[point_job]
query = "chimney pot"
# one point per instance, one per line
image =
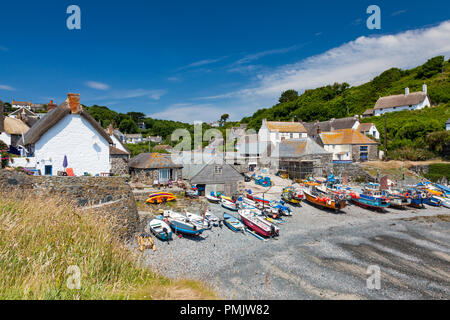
(74, 103)
(406, 91)
(424, 88)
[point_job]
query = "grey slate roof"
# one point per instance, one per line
(296, 148)
(330, 125)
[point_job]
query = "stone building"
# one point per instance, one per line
(301, 158)
(119, 161)
(154, 168)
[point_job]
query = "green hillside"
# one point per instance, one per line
(341, 100)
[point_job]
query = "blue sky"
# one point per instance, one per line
(195, 60)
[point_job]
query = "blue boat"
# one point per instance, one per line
(182, 224)
(416, 197)
(432, 202)
(232, 223)
(371, 202)
(160, 229)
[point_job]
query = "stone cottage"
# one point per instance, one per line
(154, 168)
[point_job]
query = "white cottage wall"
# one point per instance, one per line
(73, 136)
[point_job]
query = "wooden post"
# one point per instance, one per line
(385, 138)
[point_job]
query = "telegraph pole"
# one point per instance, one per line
(385, 138)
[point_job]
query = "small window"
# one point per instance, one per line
(363, 148)
(217, 169)
(292, 135)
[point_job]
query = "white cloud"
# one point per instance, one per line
(354, 62)
(97, 85)
(7, 88)
(186, 112)
(396, 13)
(259, 55)
(153, 94)
(201, 63)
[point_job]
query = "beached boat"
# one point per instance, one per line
(370, 202)
(445, 202)
(323, 200)
(160, 197)
(250, 196)
(279, 205)
(160, 229)
(212, 198)
(292, 196)
(258, 224)
(181, 223)
(198, 220)
(210, 217)
(232, 223)
(229, 205)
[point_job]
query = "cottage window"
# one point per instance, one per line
(217, 169)
(363, 148)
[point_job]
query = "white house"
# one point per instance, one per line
(134, 138)
(369, 129)
(69, 131)
(21, 104)
(275, 131)
(447, 124)
(400, 102)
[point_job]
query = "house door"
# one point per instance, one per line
(48, 170)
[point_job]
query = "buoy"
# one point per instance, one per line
(407, 195)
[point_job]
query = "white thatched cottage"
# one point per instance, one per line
(69, 131)
(400, 102)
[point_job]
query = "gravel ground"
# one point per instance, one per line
(320, 255)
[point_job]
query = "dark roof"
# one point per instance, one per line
(448, 121)
(368, 112)
(23, 110)
(53, 117)
(400, 100)
(117, 151)
(152, 161)
(330, 125)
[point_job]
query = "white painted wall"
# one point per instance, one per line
(118, 144)
(5, 137)
(73, 136)
(264, 134)
(337, 149)
(425, 103)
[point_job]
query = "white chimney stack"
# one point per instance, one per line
(424, 88)
(406, 91)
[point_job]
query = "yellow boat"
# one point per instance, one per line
(160, 197)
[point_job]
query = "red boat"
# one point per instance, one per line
(256, 199)
(259, 225)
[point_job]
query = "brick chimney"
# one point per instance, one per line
(318, 130)
(51, 105)
(110, 130)
(74, 103)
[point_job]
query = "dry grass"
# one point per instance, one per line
(395, 164)
(41, 238)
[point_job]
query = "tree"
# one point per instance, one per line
(431, 67)
(288, 95)
(128, 126)
(224, 119)
(136, 116)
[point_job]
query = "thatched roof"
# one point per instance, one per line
(368, 112)
(56, 115)
(15, 126)
(152, 161)
(400, 100)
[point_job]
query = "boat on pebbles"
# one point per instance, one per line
(182, 224)
(258, 224)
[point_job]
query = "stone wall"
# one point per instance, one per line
(104, 194)
(119, 164)
(148, 176)
(353, 170)
(372, 151)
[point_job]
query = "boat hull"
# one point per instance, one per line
(259, 230)
(233, 223)
(331, 204)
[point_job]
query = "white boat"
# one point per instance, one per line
(198, 220)
(160, 229)
(229, 205)
(445, 202)
(211, 218)
(181, 223)
(212, 198)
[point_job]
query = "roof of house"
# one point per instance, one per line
(294, 148)
(117, 151)
(345, 136)
(56, 115)
(162, 147)
(152, 161)
(368, 112)
(133, 135)
(364, 127)
(285, 126)
(330, 125)
(15, 126)
(23, 110)
(400, 100)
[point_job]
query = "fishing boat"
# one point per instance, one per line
(212, 198)
(417, 201)
(160, 197)
(445, 202)
(232, 223)
(370, 202)
(432, 201)
(284, 210)
(397, 199)
(250, 196)
(323, 200)
(198, 220)
(292, 196)
(229, 205)
(210, 217)
(160, 229)
(258, 224)
(181, 223)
